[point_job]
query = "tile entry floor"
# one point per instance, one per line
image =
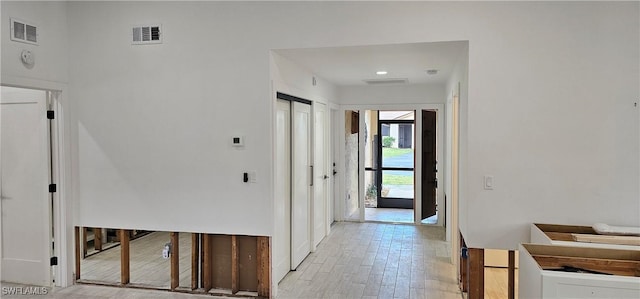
(388, 215)
(376, 260)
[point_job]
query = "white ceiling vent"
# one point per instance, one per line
(24, 32)
(146, 34)
(386, 81)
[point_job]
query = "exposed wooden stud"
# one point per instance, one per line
(201, 238)
(77, 251)
(195, 258)
(124, 257)
(175, 260)
(97, 238)
(206, 269)
(476, 273)
(264, 267)
(84, 242)
(234, 264)
(512, 275)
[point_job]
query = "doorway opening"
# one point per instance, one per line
(389, 166)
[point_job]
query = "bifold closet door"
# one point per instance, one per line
(282, 238)
(301, 174)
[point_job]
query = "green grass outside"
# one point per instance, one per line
(388, 152)
(390, 179)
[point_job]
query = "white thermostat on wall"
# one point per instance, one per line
(237, 141)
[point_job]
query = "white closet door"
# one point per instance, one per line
(301, 180)
(320, 173)
(282, 239)
(24, 180)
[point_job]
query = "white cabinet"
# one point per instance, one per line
(537, 279)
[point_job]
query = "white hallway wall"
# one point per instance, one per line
(458, 84)
(550, 111)
(392, 94)
(51, 52)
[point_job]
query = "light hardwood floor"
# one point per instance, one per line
(376, 260)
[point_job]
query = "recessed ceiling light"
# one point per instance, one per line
(381, 72)
(432, 72)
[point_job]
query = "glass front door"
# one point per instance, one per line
(396, 156)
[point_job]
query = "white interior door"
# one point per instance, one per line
(282, 238)
(24, 179)
(320, 173)
(301, 180)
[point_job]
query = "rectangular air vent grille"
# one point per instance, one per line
(386, 81)
(24, 32)
(147, 34)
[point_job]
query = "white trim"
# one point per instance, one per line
(361, 153)
(340, 165)
(61, 235)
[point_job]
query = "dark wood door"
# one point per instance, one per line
(429, 164)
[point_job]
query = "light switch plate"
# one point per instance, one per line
(488, 182)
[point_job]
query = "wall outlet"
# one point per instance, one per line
(166, 251)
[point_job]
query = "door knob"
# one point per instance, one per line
(325, 177)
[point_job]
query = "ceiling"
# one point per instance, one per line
(347, 66)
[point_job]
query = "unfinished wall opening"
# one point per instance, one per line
(100, 254)
(185, 262)
(149, 257)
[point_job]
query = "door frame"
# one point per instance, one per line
(441, 175)
(338, 152)
(62, 209)
(379, 170)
